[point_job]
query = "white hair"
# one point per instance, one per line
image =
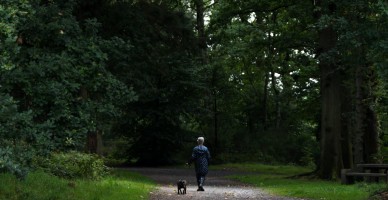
(200, 140)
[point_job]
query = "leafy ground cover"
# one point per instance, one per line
(275, 179)
(121, 184)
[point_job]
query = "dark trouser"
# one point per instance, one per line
(200, 179)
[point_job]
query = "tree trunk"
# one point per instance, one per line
(200, 10)
(359, 117)
(277, 99)
(331, 150)
(371, 127)
(92, 142)
(265, 100)
(371, 139)
(271, 57)
(346, 126)
(215, 111)
(368, 121)
(202, 37)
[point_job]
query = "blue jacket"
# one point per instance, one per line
(200, 157)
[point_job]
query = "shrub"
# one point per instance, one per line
(71, 165)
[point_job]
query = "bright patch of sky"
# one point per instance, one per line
(303, 52)
(252, 17)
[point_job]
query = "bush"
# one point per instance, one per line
(71, 165)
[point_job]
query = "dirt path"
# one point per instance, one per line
(217, 186)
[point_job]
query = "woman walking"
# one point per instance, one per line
(200, 157)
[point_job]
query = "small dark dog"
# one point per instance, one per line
(181, 186)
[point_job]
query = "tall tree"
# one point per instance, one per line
(331, 154)
(360, 30)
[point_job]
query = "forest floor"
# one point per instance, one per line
(217, 185)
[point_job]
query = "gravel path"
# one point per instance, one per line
(217, 186)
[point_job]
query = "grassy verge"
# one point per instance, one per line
(121, 184)
(273, 179)
(288, 170)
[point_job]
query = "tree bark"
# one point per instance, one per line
(331, 151)
(200, 10)
(215, 124)
(359, 117)
(277, 99)
(271, 57)
(367, 123)
(202, 44)
(265, 100)
(346, 125)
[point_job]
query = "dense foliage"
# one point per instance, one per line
(55, 70)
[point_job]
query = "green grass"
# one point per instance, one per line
(262, 168)
(273, 179)
(312, 189)
(121, 184)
